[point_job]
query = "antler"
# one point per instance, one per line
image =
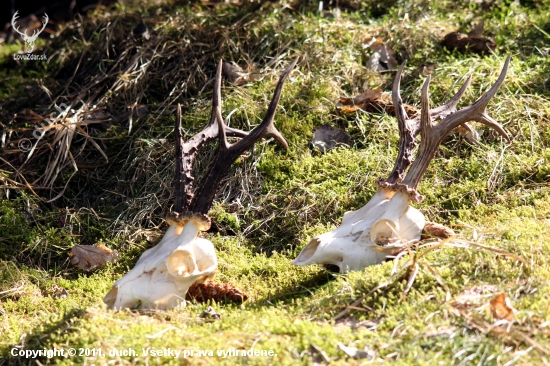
(186, 152)
(17, 28)
(35, 33)
(409, 128)
(185, 201)
(433, 134)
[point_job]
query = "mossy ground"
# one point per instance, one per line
(494, 194)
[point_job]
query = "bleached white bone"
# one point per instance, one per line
(163, 274)
(366, 236)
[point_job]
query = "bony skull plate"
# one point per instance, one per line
(163, 274)
(366, 236)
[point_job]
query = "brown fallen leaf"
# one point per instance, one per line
(432, 229)
(472, 298)
(424, 70)
(501, 307)
(471, 42)
(383, 58)
(372, 101)
(326, 138)
(236, 75)
(88, 257)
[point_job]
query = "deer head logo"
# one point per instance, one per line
(29, 40)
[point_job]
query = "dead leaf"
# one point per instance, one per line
(210, 313)
(424, 70)
(432, 229)
(501, 307)
(471, 42)
(236, 75)
(88, 257)
(326, 138)
(383, 58)
(473, 295)
(373, 101)
(356, 353)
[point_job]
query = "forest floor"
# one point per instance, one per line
(102, 174)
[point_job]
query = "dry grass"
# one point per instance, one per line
(123, 92)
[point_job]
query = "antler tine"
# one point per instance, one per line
(396, 97)
(36, 32)
(477, 111)
(183, 180)
(43, 24)
(408, 129)
(432, 135)
(267, 123)
(448, 108)
(217, 103)
(13, 24)
(425, 115)
(222, 137)
(228, 153)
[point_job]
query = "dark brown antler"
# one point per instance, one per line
(433, 134)
(409, 128)
(200, 203)
(186, 152)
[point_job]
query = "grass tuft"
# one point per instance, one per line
(112, 183)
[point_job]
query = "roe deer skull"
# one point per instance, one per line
(162, 276)
(387, 222)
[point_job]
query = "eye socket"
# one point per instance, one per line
(384, 232)
(181, 263)
(308, 250)
(331, 268)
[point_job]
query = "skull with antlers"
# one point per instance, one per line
(29, 40)
(387, 222)
(163, 274)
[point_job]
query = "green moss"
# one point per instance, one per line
(494, 194)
